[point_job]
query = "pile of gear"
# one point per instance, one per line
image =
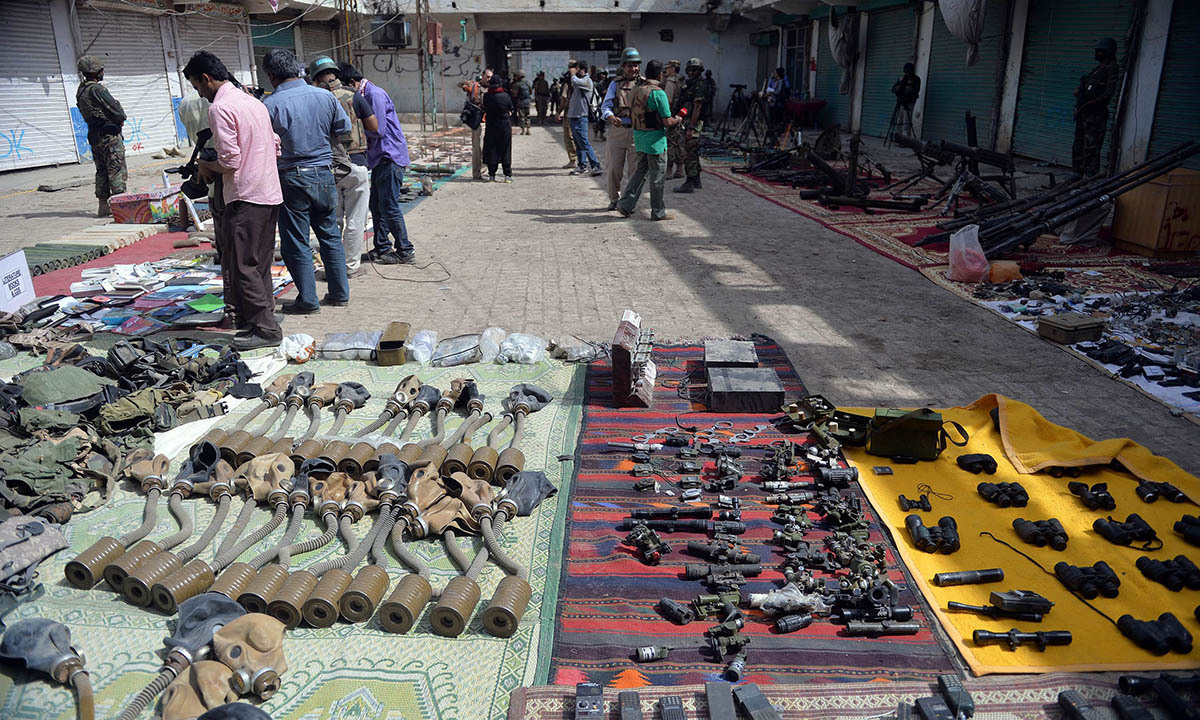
(441, 486)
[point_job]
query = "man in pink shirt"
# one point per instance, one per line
(246, 148)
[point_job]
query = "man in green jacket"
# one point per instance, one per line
(651, 117)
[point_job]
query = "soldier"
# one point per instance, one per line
(672, 85)
(521, 92)
(617, 112)
(541, 96)
(1092, 98)
(692, 98)
(349, 163)
(104, 117)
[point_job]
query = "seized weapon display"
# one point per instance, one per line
(1015, 638)
(968, 577)
(649, 546)
(1002, 234)
(943, 538)
(966, 175)
(1023, 605)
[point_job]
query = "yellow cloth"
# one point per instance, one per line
(1035, 442)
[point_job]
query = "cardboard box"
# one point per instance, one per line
(1162, 217)
(150, 205)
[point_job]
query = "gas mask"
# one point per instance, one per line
(252, 646)
(199, 688)
(266, 474)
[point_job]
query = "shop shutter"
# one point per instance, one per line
(1177, 114)
(1060, 39)
(221, 37)
(35, 127)
(135, 73)
(952, 88)
(891, 42)
(317, 39)
(829, 78)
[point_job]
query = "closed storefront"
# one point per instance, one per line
(317, 39)
(952, 89)
(135, 73)
(891, 42)
(829, 78)
(222, 37)
(1177, 113)
(35, 127)
(1060, 40)
(266, 35)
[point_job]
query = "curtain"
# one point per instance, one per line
(964, 20)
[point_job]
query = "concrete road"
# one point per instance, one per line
(541, 255)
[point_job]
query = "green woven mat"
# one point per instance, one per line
(347, 671)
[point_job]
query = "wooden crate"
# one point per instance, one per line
(1162, 217)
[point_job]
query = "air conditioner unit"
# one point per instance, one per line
(391, 32)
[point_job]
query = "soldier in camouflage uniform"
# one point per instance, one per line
(1092, 99)
(104, 117)
(672, 85)
(693, 98)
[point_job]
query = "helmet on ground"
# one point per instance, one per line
(630, 55)
(320, 64)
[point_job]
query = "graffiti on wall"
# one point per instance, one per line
(12, 144)
(135, 136)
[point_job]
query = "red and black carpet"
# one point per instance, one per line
(607, 596)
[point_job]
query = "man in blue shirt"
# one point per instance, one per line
(387, 157)
(305, 118)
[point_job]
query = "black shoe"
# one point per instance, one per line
(383, 258)
(294, 308)
(696, 182)
(253, 341)
(407, 258)
(612, 206)
(686, 187)
(335, 303)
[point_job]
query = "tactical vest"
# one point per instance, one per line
(358, 137)
(623, 97)
(643, 117)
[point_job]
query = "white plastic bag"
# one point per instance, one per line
(521, 348)
(421, 348)
(297, 348)
(967, 261)
(349, 346)
(457, 351)
(489, 344)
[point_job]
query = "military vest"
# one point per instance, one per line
(623, 97)
(643, 117)
(358, 137)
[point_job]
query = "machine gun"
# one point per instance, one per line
(966, 159)
(193, 187)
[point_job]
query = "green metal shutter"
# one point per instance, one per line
(1177, 114)
(891, 42)
(952, 88)
(1060, 40)
(829, 79)
(273, 33)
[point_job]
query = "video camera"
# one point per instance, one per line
(735, 86)
(193, 186)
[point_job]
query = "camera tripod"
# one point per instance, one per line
(737, 107)
(757, 126)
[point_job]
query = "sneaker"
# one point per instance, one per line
(375, 256)
(389, 259)
(407, 258)
(668, 216)
(335, 303)
(597, 171)
(508, 179)
(294, 308)
(612, 206)
(360, 270)
(253, 341)
(491, 178)
(578, 171)
(624, 213)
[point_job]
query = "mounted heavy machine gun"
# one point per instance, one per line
(966, 159)
(1022, 222)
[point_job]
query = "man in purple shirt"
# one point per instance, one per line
(387, 157)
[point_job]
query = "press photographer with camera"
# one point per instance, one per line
(246, 147)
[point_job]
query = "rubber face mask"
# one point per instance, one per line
(236, 711)
(528, 395)
(200, 687)
(475, 494)
(265, 474)
(41, 644)
(428, 396)
(302, 384)
(143, 465)
(201, 461)
(392, 475)
(407, 390)
(353, 393)
(252, 646)
(527, 490)
(333, 489)
(199, 618)
(323, 394)
(469, 396)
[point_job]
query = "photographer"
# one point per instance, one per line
(578, 112)
(907, 89)
(246, 146)
(564, 98)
